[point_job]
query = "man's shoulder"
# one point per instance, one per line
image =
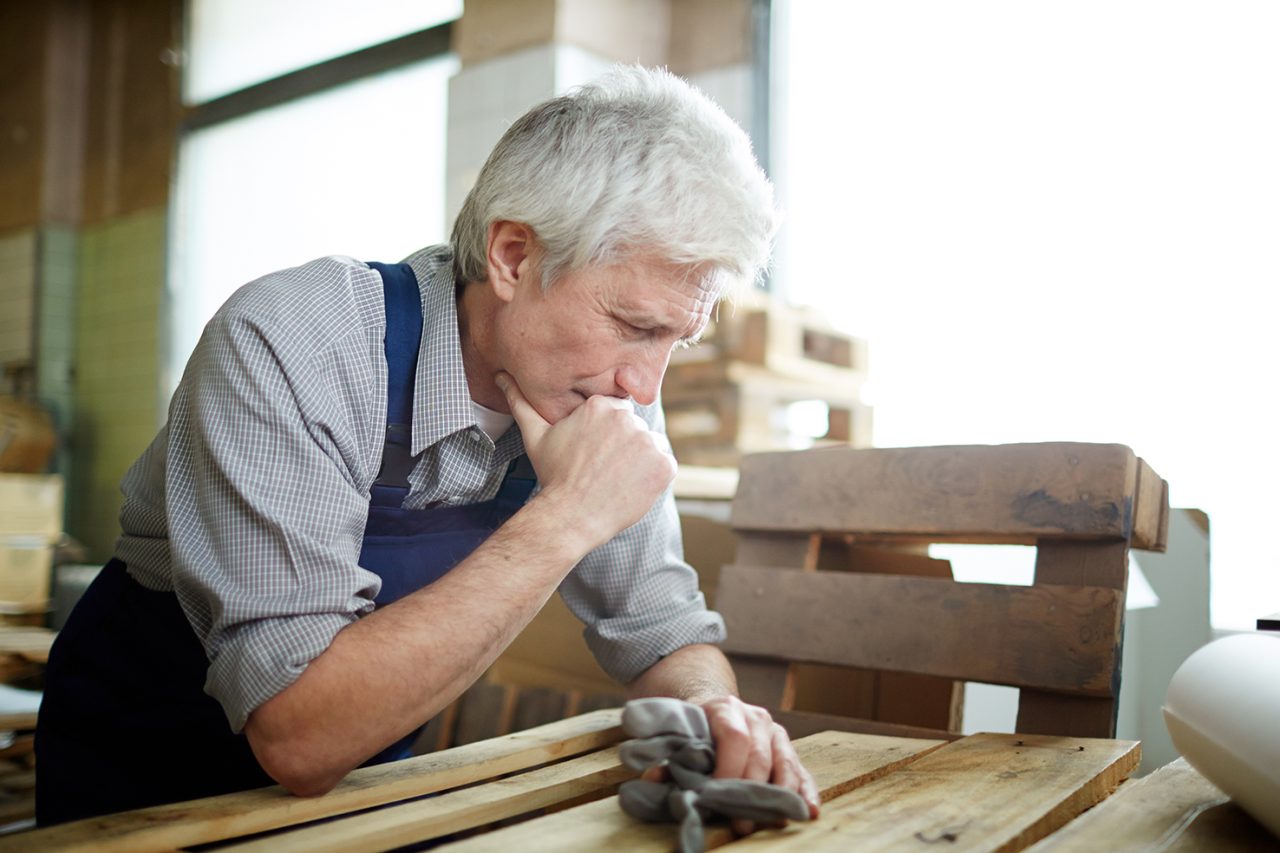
(299, 313)
(308, 292)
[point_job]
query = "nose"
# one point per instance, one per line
(641, 376)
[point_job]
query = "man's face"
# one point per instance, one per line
(605, 330)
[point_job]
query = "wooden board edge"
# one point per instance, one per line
(1083, 798)
(167, 827)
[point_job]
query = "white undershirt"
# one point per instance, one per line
(493, 423)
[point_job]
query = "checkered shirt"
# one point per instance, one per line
(251, 502)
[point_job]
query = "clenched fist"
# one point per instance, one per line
(601, 465)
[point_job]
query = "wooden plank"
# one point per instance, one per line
(1052, 638)
(1082, 564)
(1150, 510)
(422, 820)
(234, 815)
(771, 682)
(787, 550)
(1044, 713)
(804, 723)
(985, 792)
(1078, 564)
(838, 761)
(923, 701)
(1165, 810)
(1013, 492)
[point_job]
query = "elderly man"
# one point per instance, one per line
(338, 530)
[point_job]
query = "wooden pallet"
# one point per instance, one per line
(729, 394)
(800, 515)
(787, 340)
(717, 412)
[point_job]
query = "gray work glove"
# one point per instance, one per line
(675, 734)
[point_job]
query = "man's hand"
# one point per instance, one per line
(601, 461)
(750, 745)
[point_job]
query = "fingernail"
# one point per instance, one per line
(501, 381)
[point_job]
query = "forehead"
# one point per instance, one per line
(655, 285)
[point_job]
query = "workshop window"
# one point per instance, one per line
(317, 160)
(1052, 221)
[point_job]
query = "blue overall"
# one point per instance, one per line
(125, 721)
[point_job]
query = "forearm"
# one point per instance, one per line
(695, 673)
(391, 671)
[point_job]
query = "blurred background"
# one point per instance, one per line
(1009, 221)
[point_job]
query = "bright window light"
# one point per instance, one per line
(233, 44)
(1055, 222)
(357, 170)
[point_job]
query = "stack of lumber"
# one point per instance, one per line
(553, 789)
(730, 394)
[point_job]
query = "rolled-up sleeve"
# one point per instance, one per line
(636, 595)
(264, 502)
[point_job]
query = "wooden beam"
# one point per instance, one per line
(1071, 565)
(234, 815)
(422, 820)
(1150, 510)
(1014, 493)
(804, 723)
(1174, 808)
(357, 65)
(1051, 638)
(838, 761)
(1003, 792)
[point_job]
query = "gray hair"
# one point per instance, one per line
(637, 162)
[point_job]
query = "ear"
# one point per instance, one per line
(511, 254)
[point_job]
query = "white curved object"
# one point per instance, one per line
(1223, 713)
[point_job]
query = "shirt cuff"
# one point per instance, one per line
(627, 646)
(259, 659)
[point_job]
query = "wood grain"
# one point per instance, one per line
(1150, 510)
(986, 792)
(234, 815)
(1052, 638)
(1074, 564)
(1014, 492)
(838, 761)
(422, 820)
(1165, 810)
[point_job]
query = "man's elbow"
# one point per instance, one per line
(289, 760)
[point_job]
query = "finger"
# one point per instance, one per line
(732, 735)
(621, 403)
(790, 772)
(532, 425)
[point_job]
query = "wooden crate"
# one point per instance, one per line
(730, 394)
(715, 416)
(786, 340)
(1083, 505)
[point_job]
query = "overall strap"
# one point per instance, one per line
(403, 305)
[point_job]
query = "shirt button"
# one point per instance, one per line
(475, 435)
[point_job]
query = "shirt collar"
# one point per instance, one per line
(441, 397)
